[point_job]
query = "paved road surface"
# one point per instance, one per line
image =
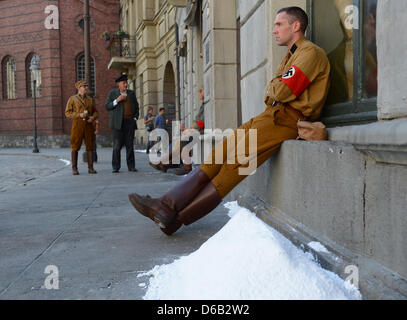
(85, 226)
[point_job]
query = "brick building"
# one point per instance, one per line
(50, 33)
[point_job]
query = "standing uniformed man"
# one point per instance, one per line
(81, 109)
(298, 92)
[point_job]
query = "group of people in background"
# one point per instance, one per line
(123, 109)
(167, 161)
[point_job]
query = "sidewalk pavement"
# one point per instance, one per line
(84, 226)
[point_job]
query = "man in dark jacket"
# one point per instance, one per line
(123, 112)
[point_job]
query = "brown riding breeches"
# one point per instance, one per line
(82, 130)
(274, 126)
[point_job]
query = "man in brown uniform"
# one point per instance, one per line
(81, 109)
(298, 92)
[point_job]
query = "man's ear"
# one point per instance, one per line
(297, 26)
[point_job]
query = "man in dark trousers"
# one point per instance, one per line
(297, 92)
(123, 112)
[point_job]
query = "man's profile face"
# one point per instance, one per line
(122, 85)
(283, 30)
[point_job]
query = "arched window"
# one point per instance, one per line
(33, 72)
(80, 71)
(9, 78)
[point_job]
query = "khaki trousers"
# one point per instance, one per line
(274, 126)
(82, 130)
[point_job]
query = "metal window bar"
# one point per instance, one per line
(81, 72)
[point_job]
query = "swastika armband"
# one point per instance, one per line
(296, 80)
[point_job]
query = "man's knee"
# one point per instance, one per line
(76, 144)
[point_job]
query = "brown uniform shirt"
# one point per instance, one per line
(76, 105)
(302, 80)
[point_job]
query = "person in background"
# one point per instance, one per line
(160, 121)
(198, 124)
(149, 126)
(123, 114)
(81, 109)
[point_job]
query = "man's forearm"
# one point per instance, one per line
(109, 105)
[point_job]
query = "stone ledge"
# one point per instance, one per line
(379, 133)
(51, 141)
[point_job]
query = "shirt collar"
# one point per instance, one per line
(297, 44)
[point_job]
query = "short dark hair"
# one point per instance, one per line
(161, 109)
(296, 14)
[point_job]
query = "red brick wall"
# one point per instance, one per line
(104, 17)
(22, 32)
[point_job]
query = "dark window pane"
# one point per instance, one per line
(334, 21)
(370, 49)
(82, 24)
(34, 73)
(9, 78)
(81, 72)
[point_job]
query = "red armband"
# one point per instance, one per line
(201, 124)
(296, 80)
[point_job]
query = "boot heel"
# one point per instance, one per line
(159, 223)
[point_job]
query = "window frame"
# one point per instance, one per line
(5, 80)
(29, 79)
(92, 88)
(359, 110)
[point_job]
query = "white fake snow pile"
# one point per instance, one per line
(246, 260)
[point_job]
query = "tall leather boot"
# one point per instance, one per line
(183, 170)
(164, 210)
(160, 166)
(90, 163)
(74, 158)
(164, 167)
(172, 228)
(207, 200)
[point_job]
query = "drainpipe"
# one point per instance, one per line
(177, 67)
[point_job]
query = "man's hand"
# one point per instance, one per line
(91, 119)
(122, 97)
(82, 115)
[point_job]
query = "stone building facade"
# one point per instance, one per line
(52, 31)
(151, 62)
